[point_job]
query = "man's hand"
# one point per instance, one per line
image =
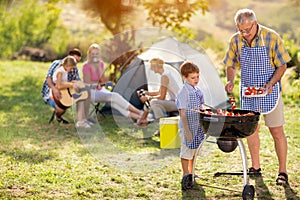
(230, 74)
(229, 87)
(269, 88)
(56, 93)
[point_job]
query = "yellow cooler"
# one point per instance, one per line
(169, 133)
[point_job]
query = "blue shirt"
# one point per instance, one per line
(73, 75)
(191, 98)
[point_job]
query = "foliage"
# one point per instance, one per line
(210, 42)
(115, 15)
(172, 14)
(294, 50)
(28, 23)
(292, 93)
(118, 53)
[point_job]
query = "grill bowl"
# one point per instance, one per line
(229, 126)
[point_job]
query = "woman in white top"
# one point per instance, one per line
(163, 100)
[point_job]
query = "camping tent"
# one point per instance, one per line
(174, 53)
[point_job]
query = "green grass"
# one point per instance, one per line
(113, 161)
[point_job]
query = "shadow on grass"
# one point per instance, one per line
(27, 90)
(261, 190)
(29, 156)
(24, 98)
(197, 192)
(263, 193)
(290, 193)
(130, 134)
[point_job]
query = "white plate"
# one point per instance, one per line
(254, 95)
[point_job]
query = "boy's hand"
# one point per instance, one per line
(188, 136)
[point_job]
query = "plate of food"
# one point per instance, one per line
(254, 91)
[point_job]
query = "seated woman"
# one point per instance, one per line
(93, 73)
(163, 100)
(60, 79)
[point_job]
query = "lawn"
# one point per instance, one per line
(114, 159)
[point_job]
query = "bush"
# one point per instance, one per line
(29, 23)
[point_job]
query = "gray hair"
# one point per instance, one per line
(244, 14)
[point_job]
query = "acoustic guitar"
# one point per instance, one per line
(69, 96)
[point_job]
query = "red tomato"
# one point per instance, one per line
(247, 92)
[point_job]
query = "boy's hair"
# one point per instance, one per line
(187, 68)
(157, 61)
(75, 51)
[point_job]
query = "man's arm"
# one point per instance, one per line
(276, 77)
(56, 92)
(230, 73)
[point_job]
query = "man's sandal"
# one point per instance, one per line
(282, 179)
(254, 172)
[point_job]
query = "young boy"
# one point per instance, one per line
(189, 98)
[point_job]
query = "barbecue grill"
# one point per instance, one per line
(229, 131)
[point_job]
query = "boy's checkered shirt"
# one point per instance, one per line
(191, 98)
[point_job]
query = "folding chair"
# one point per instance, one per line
(97, 109)
(97, 106)
(173, 113)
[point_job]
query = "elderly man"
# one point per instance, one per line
(261, 56)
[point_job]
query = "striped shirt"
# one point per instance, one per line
(265, 37)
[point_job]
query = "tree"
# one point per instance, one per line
(116, 15)
(171, 14)
(112, 13)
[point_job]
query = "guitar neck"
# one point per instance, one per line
(92, 86)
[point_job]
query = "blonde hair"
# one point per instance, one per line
(92, 47)
(157, 61)
(69, 61)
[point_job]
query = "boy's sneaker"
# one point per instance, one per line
(83, 124)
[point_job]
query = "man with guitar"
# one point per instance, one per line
(48, 84)
(60, 79)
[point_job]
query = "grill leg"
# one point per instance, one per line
(244, 160)
(196, 154)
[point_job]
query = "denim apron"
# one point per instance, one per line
(256, 70)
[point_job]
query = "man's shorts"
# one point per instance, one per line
(51, 102)
(276, 117)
